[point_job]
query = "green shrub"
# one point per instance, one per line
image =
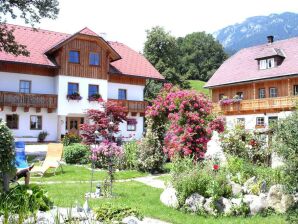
(129, 159)
(76, 154)
(109, 213)
(71, 138)
(150, 154)
(7, 154)
(24, 201)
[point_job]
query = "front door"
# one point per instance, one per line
(73, 124)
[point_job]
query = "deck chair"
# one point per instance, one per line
(52, 160)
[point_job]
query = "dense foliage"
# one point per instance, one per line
(184, 120)
(129, 158)
(286, 144)
(7, 154)
(247, 145)
(149, 155)
(108, 213)
(31, 11)
(24, 201)
(71, 138)
(195, 56)
(76, 153)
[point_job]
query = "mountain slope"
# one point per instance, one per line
(253, 31)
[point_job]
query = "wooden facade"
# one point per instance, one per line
(251, 103)
(26, 100)
(27, 69)
(132, 106)
(115, 78)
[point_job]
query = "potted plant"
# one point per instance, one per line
(42, 136)
(74, 96)
(95, 97)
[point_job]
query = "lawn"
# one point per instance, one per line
(82, 173)
(146, 199)
(198, 85)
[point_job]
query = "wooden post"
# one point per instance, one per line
(289, 87)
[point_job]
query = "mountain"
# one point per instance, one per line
(254, 30)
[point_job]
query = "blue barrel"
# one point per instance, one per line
(21, 161)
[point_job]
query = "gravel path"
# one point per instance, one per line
(151, 181)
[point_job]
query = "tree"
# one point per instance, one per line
(200, 55)
(162, 51)
(31, 11)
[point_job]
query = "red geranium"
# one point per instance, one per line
(215, 167)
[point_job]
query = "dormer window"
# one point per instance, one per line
(266, 63)
(94, 59)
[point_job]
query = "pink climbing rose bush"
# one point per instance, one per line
(106, 149)
(188, 118)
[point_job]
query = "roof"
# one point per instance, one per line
(243, 67)
(40, 41)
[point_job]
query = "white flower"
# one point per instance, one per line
(30, 192)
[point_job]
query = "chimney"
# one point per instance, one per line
(270, 39)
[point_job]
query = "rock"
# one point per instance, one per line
(258, 204)
(249, 184)
(223, 205)
(208, 206)
(131, 220)
(295, 197)
(169, 197)
(249, 198)
(236, 189)
(263, 187)
(236, 201)
(278, 199)
(195, 202)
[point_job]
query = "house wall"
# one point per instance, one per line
(134, 134)
(134, 92)
(49, 122)
(39, 84)
(73, 107)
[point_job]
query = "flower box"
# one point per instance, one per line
(226, 101)
(95, 98)
(74, 96)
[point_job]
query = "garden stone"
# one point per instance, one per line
(295, 197)
(236, 201)
(258, 204)
(278, 199)
(131, 220)
(223, 205)
(236, 189)
(169, 197)
(249, 198)
(208, 206)
(248, 184)
(263, 187)
(195, 202)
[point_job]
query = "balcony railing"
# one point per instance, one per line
(132, 105)
(278, 103)
(28, 100)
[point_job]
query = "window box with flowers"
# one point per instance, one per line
(74, 96)
(95, 98)
(225, 101)
(131, 124)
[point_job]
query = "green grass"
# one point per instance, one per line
(198, 85)
(80, 173)
(146, 199)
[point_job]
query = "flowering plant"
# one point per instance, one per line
(189, 120)
(95, 97)
(74, 96)
(107, 149)
(226, 101)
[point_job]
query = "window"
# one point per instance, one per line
(266, 63)
(74, 57)
(272, 120)
(35, 122)
(122, 94)
(295, 90)
(240, 95)
(260, 121)
(273, 92)
(72, 88)
(221, 96)
(262, 93)
(131, 124)
(12, 121)
(25, 86)
(93, 89)
(241, 120)
(94, 58)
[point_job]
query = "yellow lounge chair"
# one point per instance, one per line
(52, 160)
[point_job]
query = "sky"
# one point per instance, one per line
(126, 21)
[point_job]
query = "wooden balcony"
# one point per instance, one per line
(133, 106)
(258, 105)
(26, 100)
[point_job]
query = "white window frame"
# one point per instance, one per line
(267, 63)
(295, 90)
(260, 121)
(262, 93)
(273, 94)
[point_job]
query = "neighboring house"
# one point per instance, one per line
(52, 88)
(257, 85)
